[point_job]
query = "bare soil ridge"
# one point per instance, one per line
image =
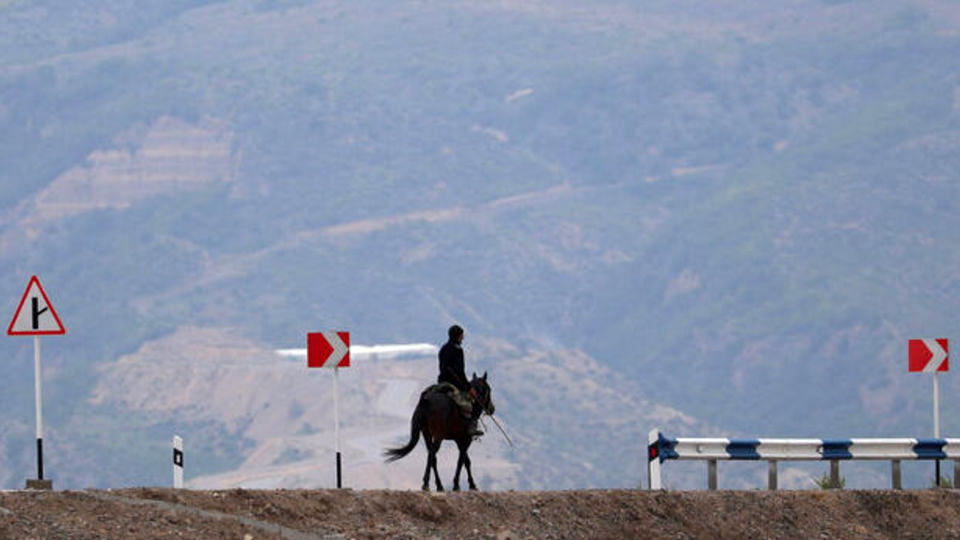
(163, 513)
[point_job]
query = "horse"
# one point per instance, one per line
(439, 419)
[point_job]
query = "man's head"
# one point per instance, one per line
(455, 333)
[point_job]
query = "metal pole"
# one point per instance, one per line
(38, 392)
(936, 405)
(936, 419)
(336, 420)
(895, 474)
(712, 474)
(772, 475)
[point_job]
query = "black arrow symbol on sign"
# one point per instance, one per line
(37, 312)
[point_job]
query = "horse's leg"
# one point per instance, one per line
(426, 472)
(464, 446)
(456, 477)
(433, 454)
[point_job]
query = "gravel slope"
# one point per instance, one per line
(162, 513)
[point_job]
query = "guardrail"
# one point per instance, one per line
(711, 450)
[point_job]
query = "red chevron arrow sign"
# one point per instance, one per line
(328, 349)
(928, 355)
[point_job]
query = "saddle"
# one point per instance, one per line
(461, 399)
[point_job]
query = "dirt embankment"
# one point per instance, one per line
(156, 513)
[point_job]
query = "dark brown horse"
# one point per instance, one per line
(439, 419)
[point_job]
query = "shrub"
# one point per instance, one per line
(825, 482)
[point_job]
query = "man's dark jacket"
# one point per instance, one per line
(451, 366)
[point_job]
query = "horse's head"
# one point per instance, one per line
(484, 397)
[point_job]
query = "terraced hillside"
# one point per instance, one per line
(711, 216)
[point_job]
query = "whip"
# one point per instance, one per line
(498, 427)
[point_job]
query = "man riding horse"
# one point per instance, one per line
(453, 378)
(448, 411)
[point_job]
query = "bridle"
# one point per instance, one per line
(483, 395)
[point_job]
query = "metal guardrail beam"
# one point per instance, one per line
(661, 449)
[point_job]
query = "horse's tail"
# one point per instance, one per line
(393, 454)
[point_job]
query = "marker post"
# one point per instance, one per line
(177, 462)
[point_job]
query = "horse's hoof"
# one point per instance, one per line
(456, 488)
(439, 489)
(473, 488)
(425, 488)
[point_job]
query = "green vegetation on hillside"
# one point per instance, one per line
(744, 209)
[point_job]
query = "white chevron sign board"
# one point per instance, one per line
(331, 349)
(36, 317)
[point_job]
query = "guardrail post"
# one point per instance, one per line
(895, 473)
(712, 474)
(653, 461)
(772, 475)
(834, 473)
(956, 474)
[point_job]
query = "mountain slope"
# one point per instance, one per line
(738, 210)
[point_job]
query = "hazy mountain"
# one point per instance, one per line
(739, 211)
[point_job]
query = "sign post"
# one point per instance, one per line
(930, 356)
(331, 350)
(39, 319)
(38, 397)
(336, 420)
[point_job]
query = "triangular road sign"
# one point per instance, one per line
(35, 315)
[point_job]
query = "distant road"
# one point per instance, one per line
(380, 351)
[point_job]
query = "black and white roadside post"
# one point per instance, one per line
(331, 350)
(177, 462)
(36, 317)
